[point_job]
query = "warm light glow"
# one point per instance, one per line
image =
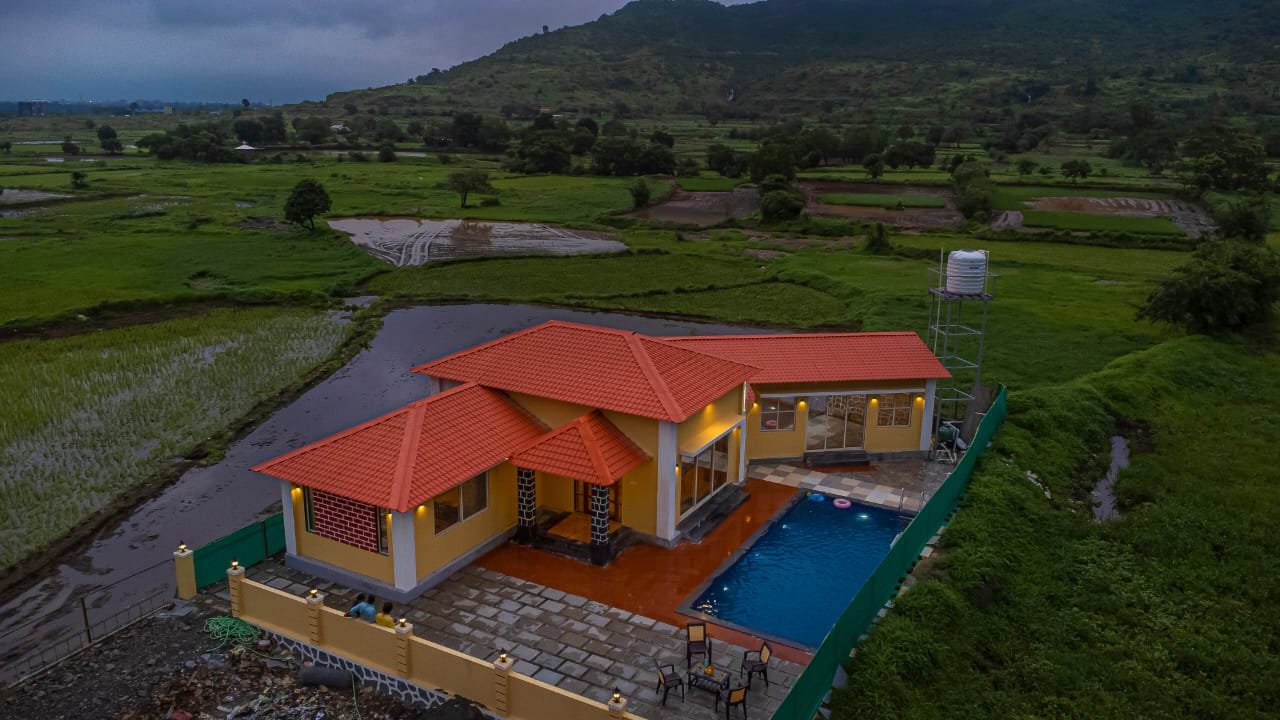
(296, 492)
(313, 593)
(875, 401)
(502, 656)
(235, 564)
(617, 696)
(755, 405)
(403, 622)
(182, 547)
(802, 402)
(919, 398)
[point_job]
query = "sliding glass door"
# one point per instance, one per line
(836, 422)
(703, 474)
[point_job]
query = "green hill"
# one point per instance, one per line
(922, 60)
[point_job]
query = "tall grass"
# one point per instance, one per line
(88, 417)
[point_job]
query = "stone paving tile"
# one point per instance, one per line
(579, 645)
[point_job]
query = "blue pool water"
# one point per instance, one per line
(798, 577)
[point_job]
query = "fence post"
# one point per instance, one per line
(502, 682)
(315, 602)
(617, 706)
(404, 633)
(84, 615)
(184, 567)
(235, 574)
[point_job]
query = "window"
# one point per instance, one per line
(384, 524)
(777, 414)
(703, 474)
(462, 502)
(307, 512)
(894, 410)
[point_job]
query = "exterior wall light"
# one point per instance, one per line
(182, 547)
(313, 593)
(235, 564)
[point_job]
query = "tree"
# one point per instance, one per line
(781, 205)
(663, 137)
(273, 129)
(1076, 170)
(1226, 287)
(640, 193)
(878, 241)
(466, 129)
(589, 125)
(687, 167)
(244, 102)
(874, 165)
(69, 147)
(6, 146)
(466, 182)
(248, 130)
(1246, 219)
(313, 130)
(906, 132)
(307, 200)
(614, 127)
(775, 157)
(112, 146)
(975, 193)
(1026, 166)
(106, 132)
(387, 153)
(548, 151)
(79, 180)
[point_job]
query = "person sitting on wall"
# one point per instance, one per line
(363, 609)
(384, 618)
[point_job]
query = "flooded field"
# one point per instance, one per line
(207, 503)
(906, 218)
(14, 196)
(703, 209)
(412, 241)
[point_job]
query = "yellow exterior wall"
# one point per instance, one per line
(555, 492)
(371, 564)
(894, 439)
(435, 551)
(776, 443)
(791, 443)
(709, 422)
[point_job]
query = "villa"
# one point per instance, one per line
(583, 439)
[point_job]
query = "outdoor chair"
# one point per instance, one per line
(757, 662)
(668, 680)
(730, 697)
(696, 642)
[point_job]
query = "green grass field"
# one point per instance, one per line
(1015, 197)
(1100, 223)
(90, 416)
(905, 200)
(709, 183)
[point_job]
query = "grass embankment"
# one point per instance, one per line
(1037, 611)
(884, 200)
(1086, 222)
(90, 416)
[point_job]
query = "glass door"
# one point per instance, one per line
(582, 499)
(836, 422)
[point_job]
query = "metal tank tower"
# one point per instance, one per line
(959, 297)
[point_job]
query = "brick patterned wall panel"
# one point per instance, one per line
(346, 521)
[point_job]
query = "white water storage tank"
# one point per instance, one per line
(967, 272)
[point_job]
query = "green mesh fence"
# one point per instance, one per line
(814, 683)
(249, 546)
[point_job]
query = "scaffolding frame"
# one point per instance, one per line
(957, 341)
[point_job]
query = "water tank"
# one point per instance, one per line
(966, 272)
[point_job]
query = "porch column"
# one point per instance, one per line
(404, 550)
(526, 505)
(599, 525)
(668, 501)
(926, 417)
(286, 509)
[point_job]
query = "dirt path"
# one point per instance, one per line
(1007, 220)
(703, 209)
(406, 242)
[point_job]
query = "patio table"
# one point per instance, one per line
(713, 682)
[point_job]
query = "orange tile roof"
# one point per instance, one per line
(598, 367)
(588, 448)
(404, 458)
(824, 357)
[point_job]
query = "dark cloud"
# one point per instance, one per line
(281, 50)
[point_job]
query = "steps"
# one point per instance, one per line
(830, 458)
(706, 518)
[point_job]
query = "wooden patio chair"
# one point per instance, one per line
(757, 662)
(696, 642)
(731, 697)
(668, 680)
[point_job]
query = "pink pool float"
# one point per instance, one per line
(842, 503)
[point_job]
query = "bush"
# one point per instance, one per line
(386, 153)
(490, 202)
(640, 194)
(444, 158)
(878, 241)
(779, 205)
(357, 156)
(1227, 287)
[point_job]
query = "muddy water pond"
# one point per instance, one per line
(207, 503)
(413, 241)
(14, 196)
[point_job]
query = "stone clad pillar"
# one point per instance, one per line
(526, 505)
(599, 525)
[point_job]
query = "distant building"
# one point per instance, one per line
(168, 109)
(33, 108)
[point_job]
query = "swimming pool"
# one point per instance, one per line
(796, 579)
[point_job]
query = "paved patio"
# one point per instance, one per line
(567, 640)
(902, 485)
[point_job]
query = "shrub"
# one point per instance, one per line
(878, 241)
(1227, 286)
(386, 153)
(781, 205)
(357, 156)
(640, 194)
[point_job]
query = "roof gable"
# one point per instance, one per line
(588, 448)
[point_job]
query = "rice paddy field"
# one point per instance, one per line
(1085, 222)
(88, 417)
(887, 200)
